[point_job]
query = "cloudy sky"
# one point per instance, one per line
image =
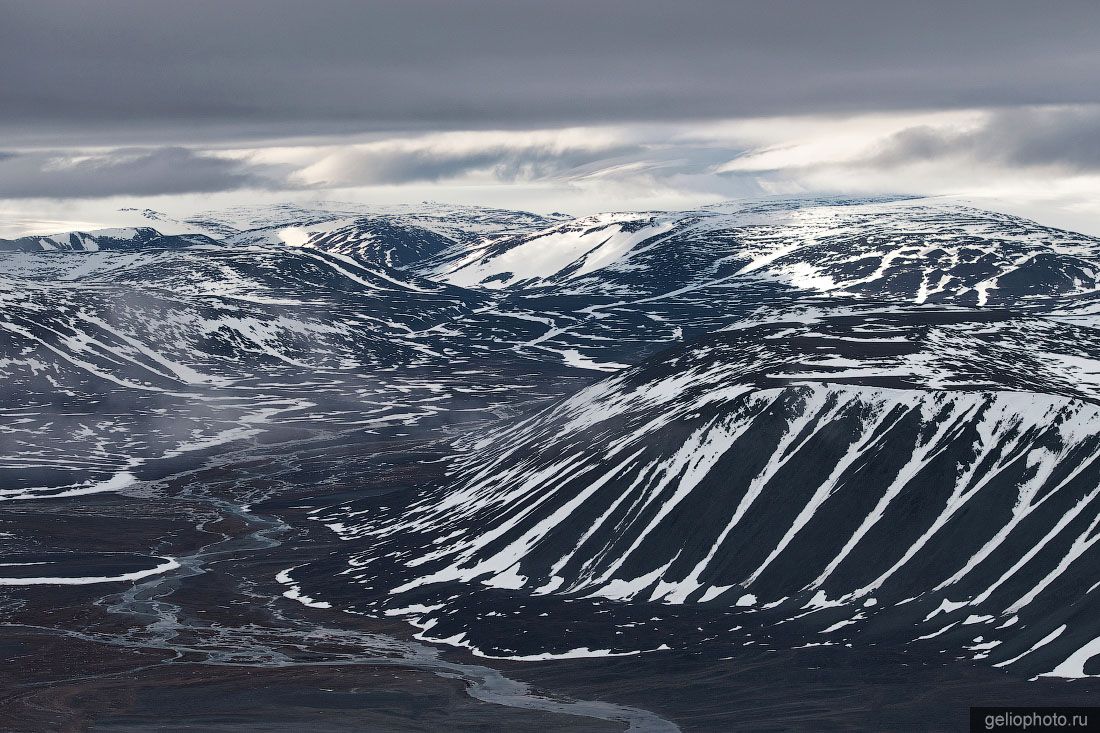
(549, 105)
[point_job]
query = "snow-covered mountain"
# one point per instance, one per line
(913, 476)
(125, 238)
(914, 251)
(344, 225)
(779, 423)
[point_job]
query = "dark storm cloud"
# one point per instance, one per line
(1024, 137)
(117, 69)
(160, 171)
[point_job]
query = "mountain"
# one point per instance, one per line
(143, 238)
(913, 251)
(857, 423)
(119, 359)
(912, 476)
(644, 281)
(341, 224)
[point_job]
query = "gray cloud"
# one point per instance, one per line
(169, 170)
(393, 165)
(129, 70)
(1058, 139)
(177, 170)
(1022, 137)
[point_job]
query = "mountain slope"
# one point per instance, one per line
(882, 478)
